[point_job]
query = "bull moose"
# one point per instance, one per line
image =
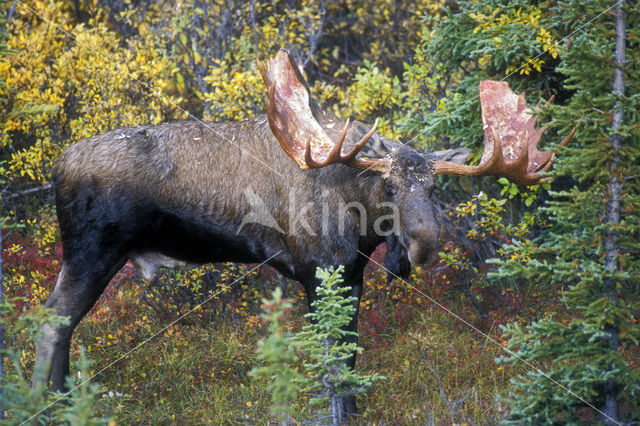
(175, 195)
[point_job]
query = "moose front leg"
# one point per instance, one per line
(348, 401)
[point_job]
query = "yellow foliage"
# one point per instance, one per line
(392, 28)
(497, 22)
(64, 88)
(73, 78)
(44, 231)
(235, 93)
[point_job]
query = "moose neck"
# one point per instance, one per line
(361, 194)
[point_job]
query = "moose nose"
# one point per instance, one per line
(420, 255)
(422, 246)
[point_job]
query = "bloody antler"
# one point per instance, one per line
(510, 139)
(292, 121)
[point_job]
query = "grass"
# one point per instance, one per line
(438, 370)
(435, 373)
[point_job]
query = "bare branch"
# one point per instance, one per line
(26, 192)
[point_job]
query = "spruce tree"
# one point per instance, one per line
(324, 343)
(592, 246)
(579, 362)
(278, 355)
(328, 377)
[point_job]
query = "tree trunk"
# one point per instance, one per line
(610, 409)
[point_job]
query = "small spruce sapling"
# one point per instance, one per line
(278, 355)
(82, 397)
(22, 403)
(324, 343)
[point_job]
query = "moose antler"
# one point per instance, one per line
(292, 121)
(510, 139)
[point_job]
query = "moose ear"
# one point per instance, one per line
(457, 155)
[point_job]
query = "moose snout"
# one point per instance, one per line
(422, 256)
(422, 247)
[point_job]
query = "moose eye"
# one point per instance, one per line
(391, 190)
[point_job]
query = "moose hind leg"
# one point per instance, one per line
(75, 293)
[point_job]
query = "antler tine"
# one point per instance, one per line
(566, 140)
(372, 164)
(335, 155)
(549, 101)
(308, 160)
(496, 154)
(350, 156)
(546, 166)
